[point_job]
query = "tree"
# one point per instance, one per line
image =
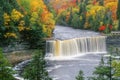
(6, 6)
(108, 69)
(80, 76)
(5, 69)
(102, 72)
(118, 14)
(116, 68)
(101, 2)
(71, 17)
(82, 12)
(36, 68)
(75, 21)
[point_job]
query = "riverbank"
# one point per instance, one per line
(16, 57)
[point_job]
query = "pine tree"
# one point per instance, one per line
(102, 72)
(71, 17)
(101, 2)
(118, 14)
(82, 12)
(5, 70)
(8, 5)
(36, 69)
(80, 76)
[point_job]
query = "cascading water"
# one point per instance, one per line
(74, 42)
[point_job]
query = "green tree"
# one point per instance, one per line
(108, 69)
(102, 72)
(116, 68)
(118, 14)
(75, 21)
(61, 19)
(8, 5)
(101, 2)
(34, 37)
(36, 68)
(70, 18)
(80, 76)
(82, 7)
(5, 69)
(82, 12)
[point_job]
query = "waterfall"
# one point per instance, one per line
(68, 42)
(76, 46)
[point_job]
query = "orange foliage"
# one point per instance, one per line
(61, 5)
(113, 8)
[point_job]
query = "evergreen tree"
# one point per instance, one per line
(80, 76)
(75, 21)
(82, 12)
(71, 17)
(118, 14)
(101, 2)
(5, 70)
(36, 69)
(8, 5)
(102, 72)
(82, 8)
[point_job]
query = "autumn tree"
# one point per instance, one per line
(45, 19)
(6, 6)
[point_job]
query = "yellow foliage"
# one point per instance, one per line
(6, 19)
(34, 18)
(94, 9)
(111, 4)
(16, 15)
(36, 5)
(21, 26)
(10, 34)
(22, 23)
(75, 9)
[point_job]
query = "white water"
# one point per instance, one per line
(70, 42)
